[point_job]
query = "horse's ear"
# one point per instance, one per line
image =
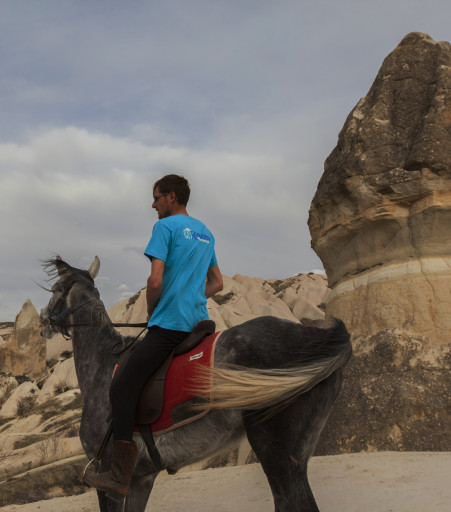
(59, 263)
(94, 267)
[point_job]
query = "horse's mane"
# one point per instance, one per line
(57, 267)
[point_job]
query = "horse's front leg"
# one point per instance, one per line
(139, 492)
(108, 505)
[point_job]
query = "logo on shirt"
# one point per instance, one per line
(192, 235)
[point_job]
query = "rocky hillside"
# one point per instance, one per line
(40, 403)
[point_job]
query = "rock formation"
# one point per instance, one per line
(62, 378)
(380, 222)
(26, 390)
(299, 298)
(380, 219)
(22, 352)
(394, 397)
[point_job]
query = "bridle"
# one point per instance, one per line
(56, 319)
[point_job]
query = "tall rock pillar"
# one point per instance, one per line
(381, 217)
(23, 352)
(381, 223)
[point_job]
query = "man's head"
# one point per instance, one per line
(174, 183)
(171, 195)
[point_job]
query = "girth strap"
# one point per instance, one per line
(154, 454)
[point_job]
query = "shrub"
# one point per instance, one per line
(280, 284)
(6, 393)
(51, 363)
(36, 485)
(222, 299)
(61, 387)
(50, 448)
(25, 405)
(25, 441)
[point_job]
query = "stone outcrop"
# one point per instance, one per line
(380, 219)
(299, 298)
(380, 222)
(25, 390)
(57, 346)
(394, 397)
(23, 351)
(7, 386)
(63, 378)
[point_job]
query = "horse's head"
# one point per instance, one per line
(54, 317)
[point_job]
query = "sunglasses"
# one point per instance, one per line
(155, 198)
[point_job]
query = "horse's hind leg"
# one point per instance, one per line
(284, 442)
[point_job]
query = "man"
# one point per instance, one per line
(184, 273)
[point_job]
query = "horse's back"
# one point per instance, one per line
(272, 342)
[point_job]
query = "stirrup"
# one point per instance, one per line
(83, 473)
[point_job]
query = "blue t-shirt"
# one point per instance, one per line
(187, 248)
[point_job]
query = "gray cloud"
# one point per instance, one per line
(244, 98)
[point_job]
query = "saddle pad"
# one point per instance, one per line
(181, 376)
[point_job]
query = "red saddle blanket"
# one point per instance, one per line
(180, 378)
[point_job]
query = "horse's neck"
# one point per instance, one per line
(93, 339)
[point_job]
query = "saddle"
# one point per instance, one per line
(151, 402)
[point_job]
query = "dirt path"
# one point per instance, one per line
(374, 482)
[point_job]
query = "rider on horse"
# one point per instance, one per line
(184, 273)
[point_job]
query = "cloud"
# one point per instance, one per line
(75, 193)
(244, 98)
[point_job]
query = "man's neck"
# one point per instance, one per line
(179, 210)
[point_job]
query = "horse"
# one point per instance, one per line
(283, 378)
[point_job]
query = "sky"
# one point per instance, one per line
(245, 98)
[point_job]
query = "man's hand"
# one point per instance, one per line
(214, 281)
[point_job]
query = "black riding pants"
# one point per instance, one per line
(132, 376)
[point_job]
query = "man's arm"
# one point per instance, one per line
(214, 281)
(154, 285)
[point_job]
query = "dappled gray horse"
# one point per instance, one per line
(288, 378)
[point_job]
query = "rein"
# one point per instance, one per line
(143, 324)
(57, 319)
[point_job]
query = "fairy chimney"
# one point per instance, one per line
(381, 223)
(381, 217)
(23, 352)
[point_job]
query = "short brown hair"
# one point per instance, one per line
(174, 183)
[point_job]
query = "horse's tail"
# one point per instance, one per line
(238, 387)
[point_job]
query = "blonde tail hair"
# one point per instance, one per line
(237, 387)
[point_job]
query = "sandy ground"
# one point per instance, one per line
(370, 482)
